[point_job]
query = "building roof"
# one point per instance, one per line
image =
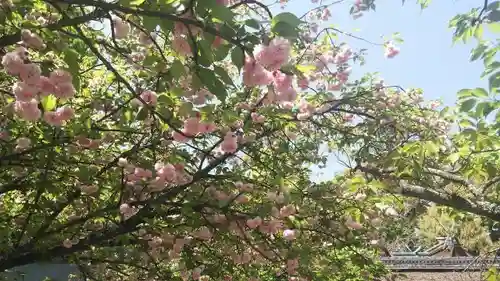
(445, 256)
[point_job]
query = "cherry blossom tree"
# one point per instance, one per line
(172, 139)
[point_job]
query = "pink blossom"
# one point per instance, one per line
(325, 15)
(122, 162)
(292, 265)
(181, 46)
(353, 224)
(60, 76)
(289, 95)
(88, 189)
(303, 83)
(343, 55)
(217, 42)
(257, 118)
(242, 199)
(142, 173)
(64, 90)
(289, 234)
(196, 274)
(179, 137)
(282, 82)
(254, 223)
(122, 28)
(67, 243)
(207, 127)
(149, 97)
(32, 40)
(203, 233)
(23, 91)
(30, 73)
(28, 111)
(65, 113)
(52, 118)
(391, 50)
(23, 143)
(13, 63)
(335, 86)
(191, 126)
(180, 29)
(286, 211)
(274, 55)
(229, 144)
(321, 62)
(168, 172)
(146, 39)
(254, 74)
(45, 85)
(4, 135)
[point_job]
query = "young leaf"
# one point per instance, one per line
(467, 105)
(71, 58)
(292, 20)
(142, 114)
(216, 87)
(221, 72)
(49, 102)
(237, 57)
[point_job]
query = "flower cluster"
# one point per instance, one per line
(33, 86)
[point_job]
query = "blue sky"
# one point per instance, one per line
(428, 60)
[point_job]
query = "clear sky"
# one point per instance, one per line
(428, 60)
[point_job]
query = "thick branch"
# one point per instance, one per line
(154, 13)
(11, 39)
(482, 208)
(486, 209)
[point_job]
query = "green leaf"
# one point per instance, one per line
(464, 93)
(165, 99)
(479, 92)
(484, 109)
(464, 123)
(285, 30)
(494, 81)
(478, 33)
(431, 147)
(494, 27)
(467, 105)
(226, 31)
(49, 102)
(205, 58)
(285, 25)
(253, 23)
(177, 69)
(224, 14)
(289, 18)
(237, 57)
(150, 23)
(71, 58)
(216, 87)
(221, 52)
(137, 2)
(222, 73)
(185, 109)
(478, 51)
(142, 114)
(166, 25)
(424, 3)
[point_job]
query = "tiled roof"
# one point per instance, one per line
(439, 276)
(445, 256)
(439, 264)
